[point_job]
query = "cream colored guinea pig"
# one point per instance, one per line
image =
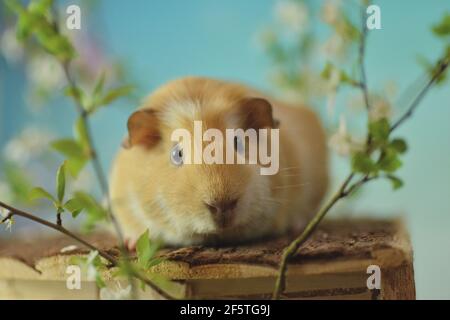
(187, 204)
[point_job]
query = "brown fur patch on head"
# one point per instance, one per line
(256, 113)
(143, 128)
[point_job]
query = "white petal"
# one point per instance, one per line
(68, 248)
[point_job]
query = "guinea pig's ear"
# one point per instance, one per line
(143, 129)
(257, 113)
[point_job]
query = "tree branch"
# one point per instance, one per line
(112, 260)
(441, 67)
(346, 188)
(290, 251)
(16, 212)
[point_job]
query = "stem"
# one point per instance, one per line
(362, 51)
(93, 154)
(345, 189)
(442, 66)
(112, 260)
(310, 227)
(60, 228)
(103, 183)
(363, 81)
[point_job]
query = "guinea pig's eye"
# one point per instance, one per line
(176, 155)
(238, 145)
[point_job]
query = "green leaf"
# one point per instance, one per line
(57, 44)
(68, 147)
(397, 183)
(73, 151)
(61, 182)
(142, 285)
(40, 193)
(95, 213)
(349, 30)
(390, 161)
(14, 6)
(399, 145)
(434, 68)
(74, 206)
(143, 249)
(40, 7)
(81, 134)
(379, 130)
(76, 213)
(154, 262)
(24, 26)
(362, 163)
(146, 250)
(326, 72)
(345, 78)
(75, 165)
(442, 29)
(74, 92)
(115, 94)
(99, 86)
(99, 281)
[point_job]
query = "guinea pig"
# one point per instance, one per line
(155, 185)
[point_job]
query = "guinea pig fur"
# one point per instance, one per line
(190, 204)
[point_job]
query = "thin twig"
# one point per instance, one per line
(96, 163)
(347, 188)
(442, 66)
(16, 212)
(112, 260)
(362, 51)
(103, 183)
(310, 227)
(102, 180)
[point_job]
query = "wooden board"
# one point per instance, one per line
(331, 264)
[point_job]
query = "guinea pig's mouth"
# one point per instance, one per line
(223, 213)
(221, 225)
(224, 222)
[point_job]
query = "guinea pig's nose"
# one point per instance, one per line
(222, 212)
(221, 206)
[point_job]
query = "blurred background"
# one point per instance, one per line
(278, 46)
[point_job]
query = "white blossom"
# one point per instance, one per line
(330, 12)
(68, 249)
(44, 72)
(342, 142)
(8, 223)
(10, 47)
(30, 144)
(92, 272)
(117, 293)
(293, 15)
(380, 109)
(390, 89)
(334, 46)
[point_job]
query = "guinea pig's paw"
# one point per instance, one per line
(130, 243)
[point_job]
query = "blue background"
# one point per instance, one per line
(163, 40)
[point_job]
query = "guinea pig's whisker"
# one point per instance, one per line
(289, 168)
(271, 200)
(291, 186)
(292, 175)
